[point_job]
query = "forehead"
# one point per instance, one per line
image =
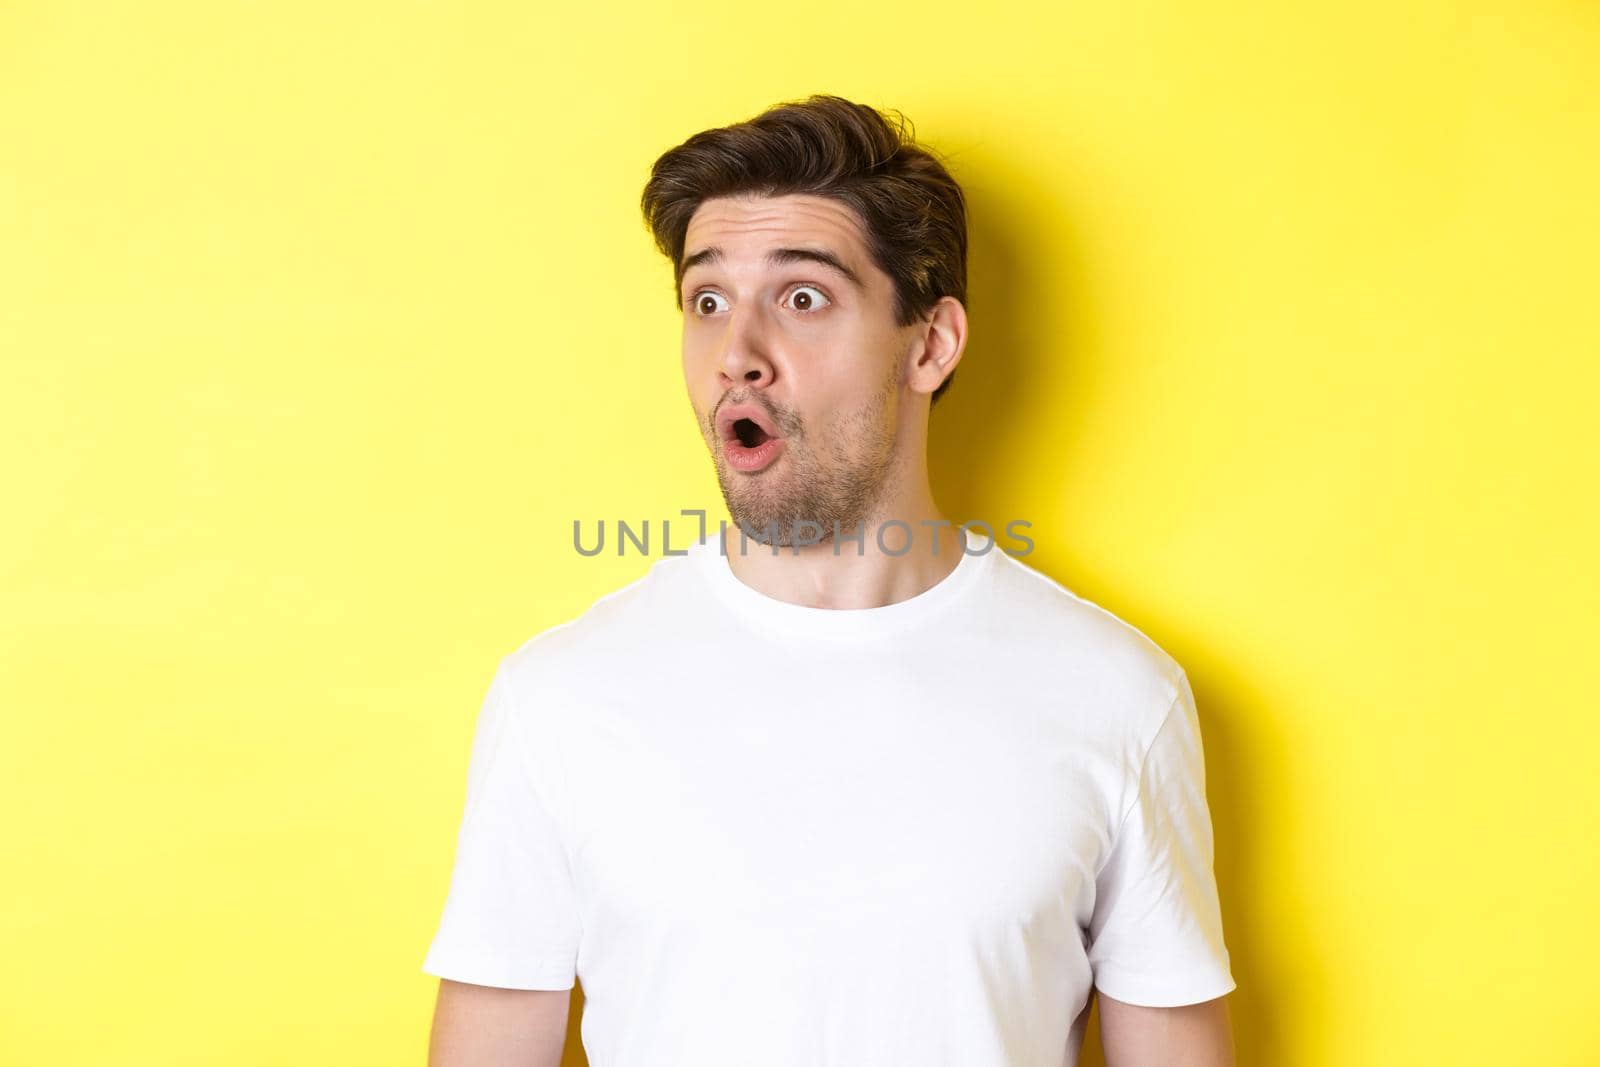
(745, 226)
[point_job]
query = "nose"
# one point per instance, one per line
(745, 358)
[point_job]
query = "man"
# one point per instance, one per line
(887, 796)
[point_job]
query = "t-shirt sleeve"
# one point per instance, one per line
(511, 915)
(1155, 937)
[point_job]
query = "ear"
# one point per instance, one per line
(937, 348)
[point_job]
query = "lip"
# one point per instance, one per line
(734, 412)
(739, 456)
(754, 459)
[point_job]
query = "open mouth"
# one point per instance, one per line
(749, 433)
(748, 441)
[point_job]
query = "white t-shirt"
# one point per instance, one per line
(763, 833)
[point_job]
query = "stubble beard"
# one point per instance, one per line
(842, 491)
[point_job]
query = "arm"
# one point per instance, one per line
(485, 1026)
(1191, 1035)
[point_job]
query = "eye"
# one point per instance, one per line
(805, 302)
(705, 302)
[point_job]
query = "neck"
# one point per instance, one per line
(907, 547)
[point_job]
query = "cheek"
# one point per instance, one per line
(699, 342)
(694, 377)
(695, 355)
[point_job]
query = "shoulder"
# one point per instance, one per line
(598, 641)
(1094, 651)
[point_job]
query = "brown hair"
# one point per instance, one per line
(913, 213)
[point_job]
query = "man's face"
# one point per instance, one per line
(798, 346)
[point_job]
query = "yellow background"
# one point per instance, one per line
(321, 323)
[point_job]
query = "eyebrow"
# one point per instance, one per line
(779, 257)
